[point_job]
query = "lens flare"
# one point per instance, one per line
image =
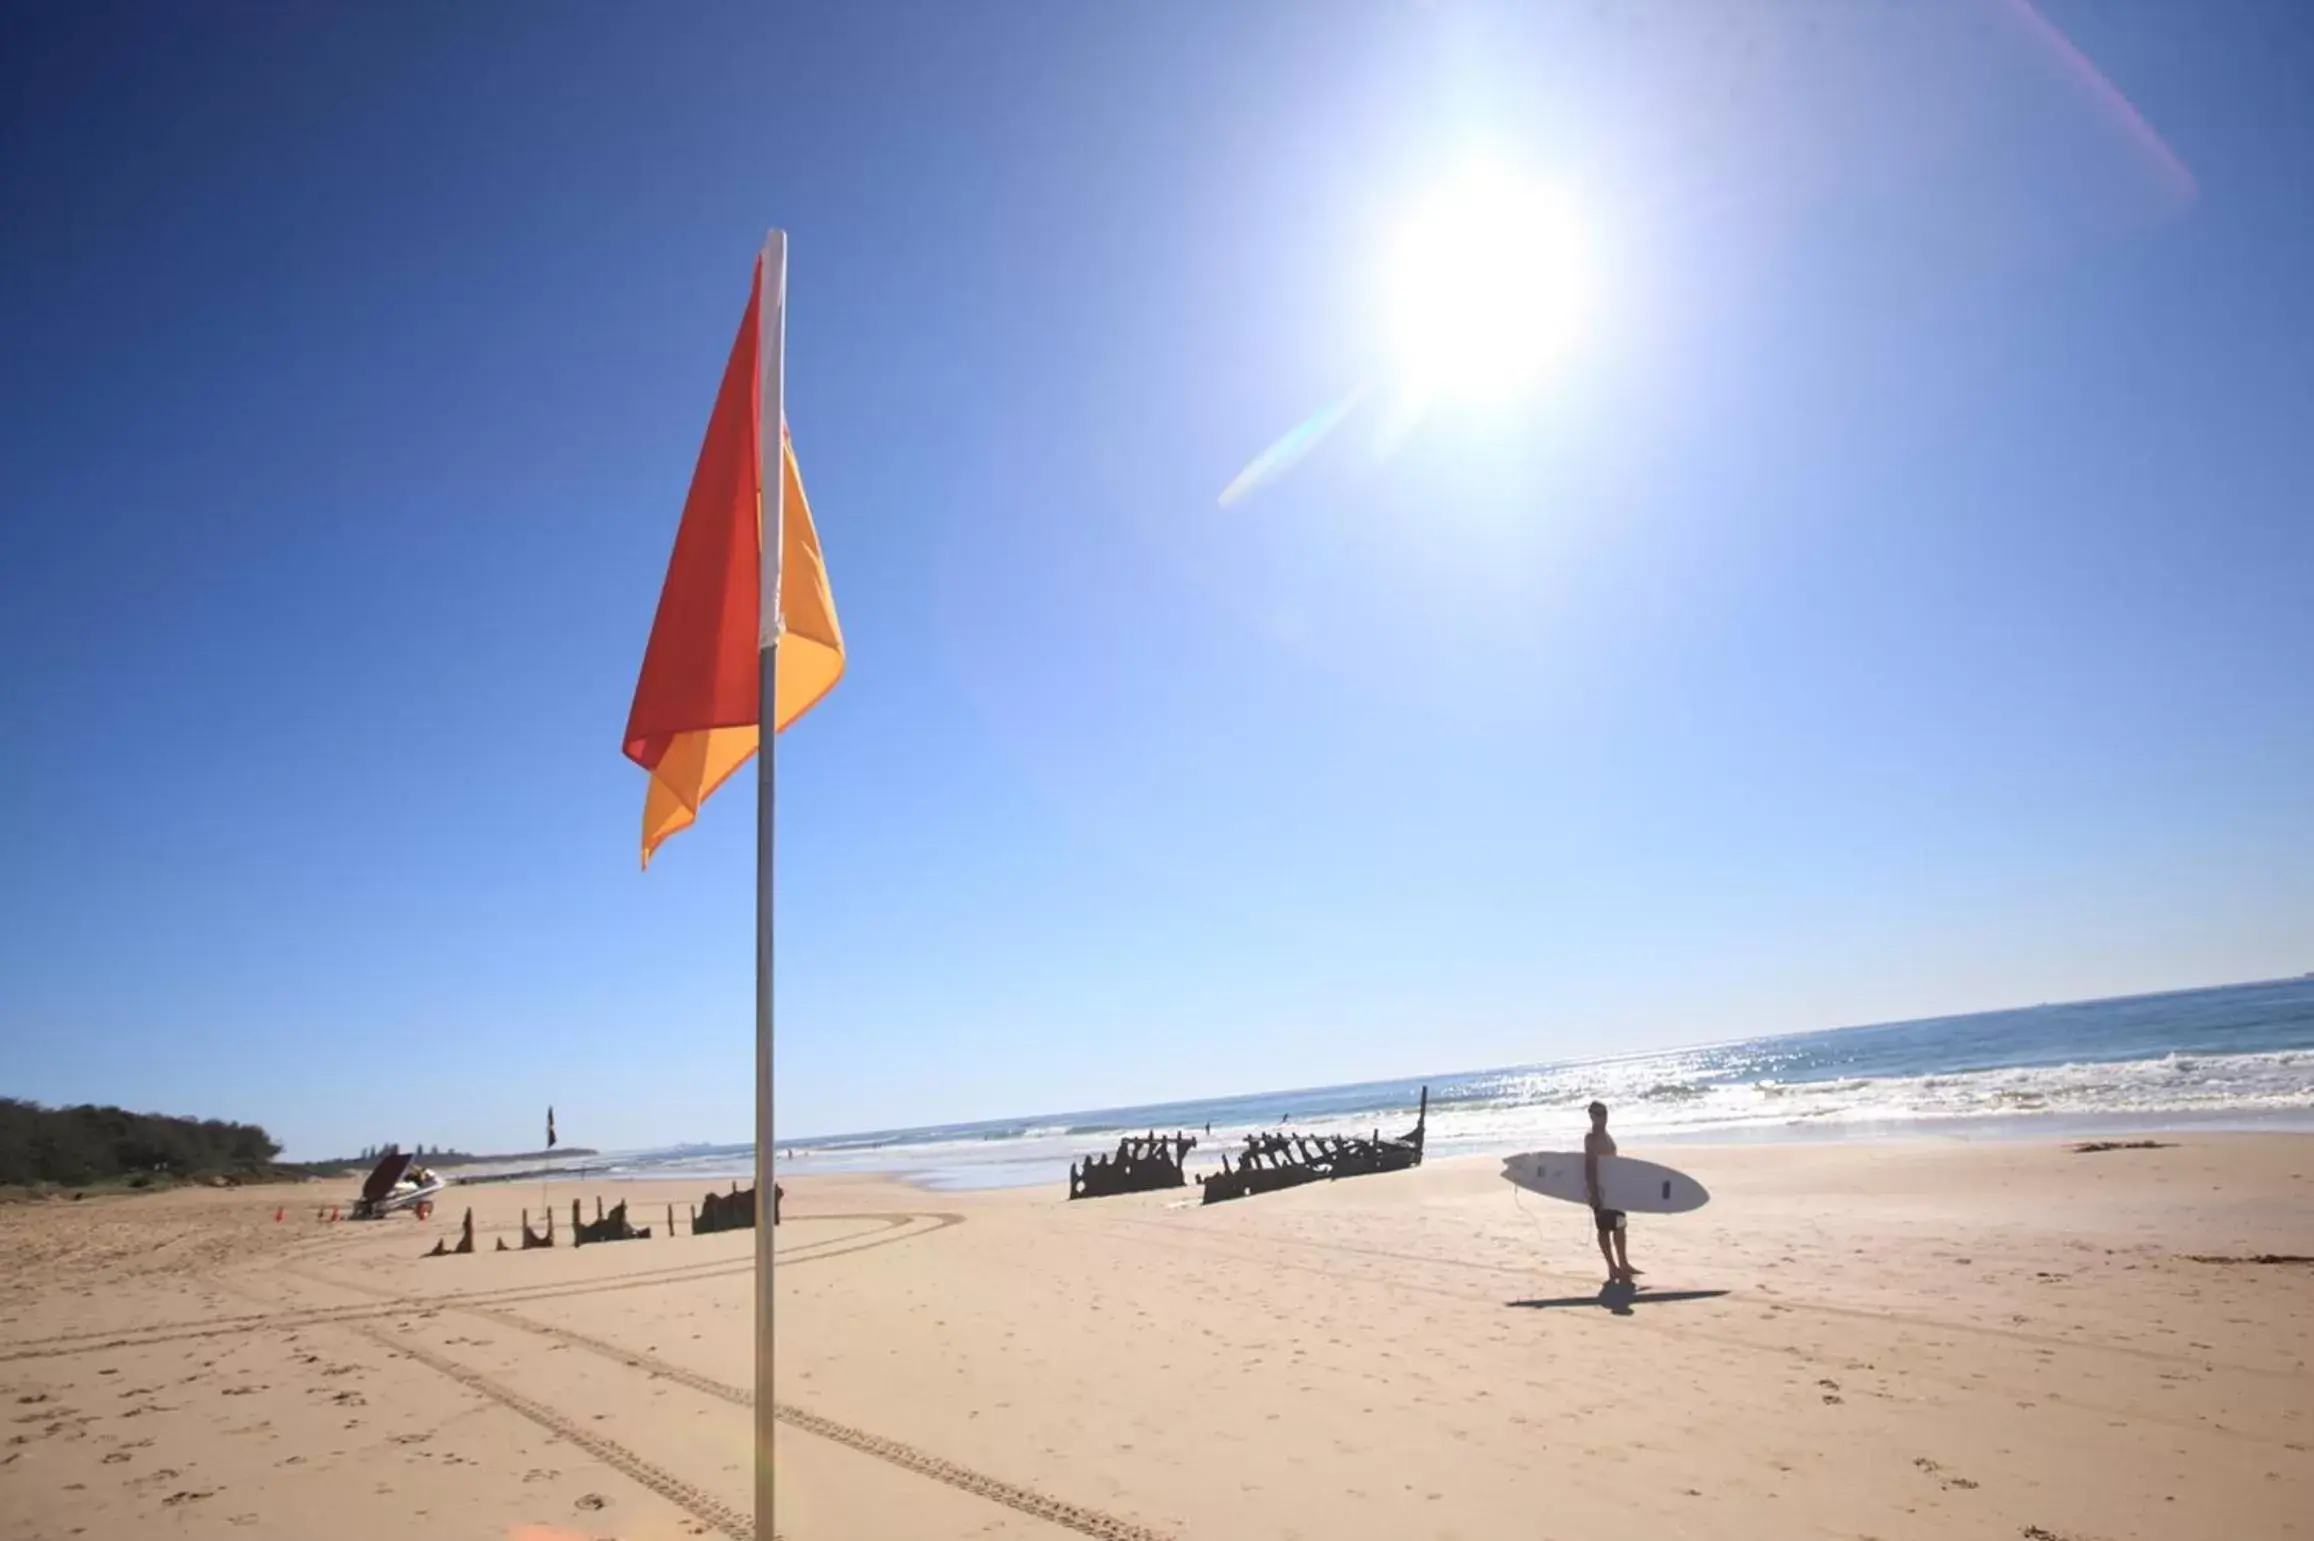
(1290, 447)
(2173, 170)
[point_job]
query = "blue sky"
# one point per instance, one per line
(1901, 602)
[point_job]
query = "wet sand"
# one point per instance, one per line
(1895, 1340)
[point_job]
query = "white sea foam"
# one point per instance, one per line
(2245, 1085)
(1685, 1094)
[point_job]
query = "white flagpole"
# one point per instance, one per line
(771, 347)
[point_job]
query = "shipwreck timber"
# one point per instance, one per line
(733, 1211)
(1277, 1160)
(611, 1227)
(1142, 1164)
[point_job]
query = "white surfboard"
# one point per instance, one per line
(1625, 1182)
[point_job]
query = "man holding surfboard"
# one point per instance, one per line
(1612, 1223)
(1612, 1185)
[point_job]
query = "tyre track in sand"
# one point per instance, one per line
(1024, 1500)
(1043, 1506)
(390, 1303)
(298, 1316)
(693, 1501)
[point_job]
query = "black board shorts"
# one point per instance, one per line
(1610, 1220)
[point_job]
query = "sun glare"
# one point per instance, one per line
(1487, 284)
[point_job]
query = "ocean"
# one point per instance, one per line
(2235, 1056)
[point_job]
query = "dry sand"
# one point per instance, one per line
(1872, 1340)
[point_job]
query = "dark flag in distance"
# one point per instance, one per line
(550, 1126)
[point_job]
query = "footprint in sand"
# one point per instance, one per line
(1932, 1469)
(592, 1501)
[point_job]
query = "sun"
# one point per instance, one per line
(1486, 286)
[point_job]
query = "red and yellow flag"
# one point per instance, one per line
(694, 718)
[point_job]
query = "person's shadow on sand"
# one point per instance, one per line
(1618, 1298)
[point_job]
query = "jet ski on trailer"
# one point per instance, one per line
(396, 1183)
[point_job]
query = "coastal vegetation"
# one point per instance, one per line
(88, 1145)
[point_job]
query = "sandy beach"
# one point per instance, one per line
(1889, 1340)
